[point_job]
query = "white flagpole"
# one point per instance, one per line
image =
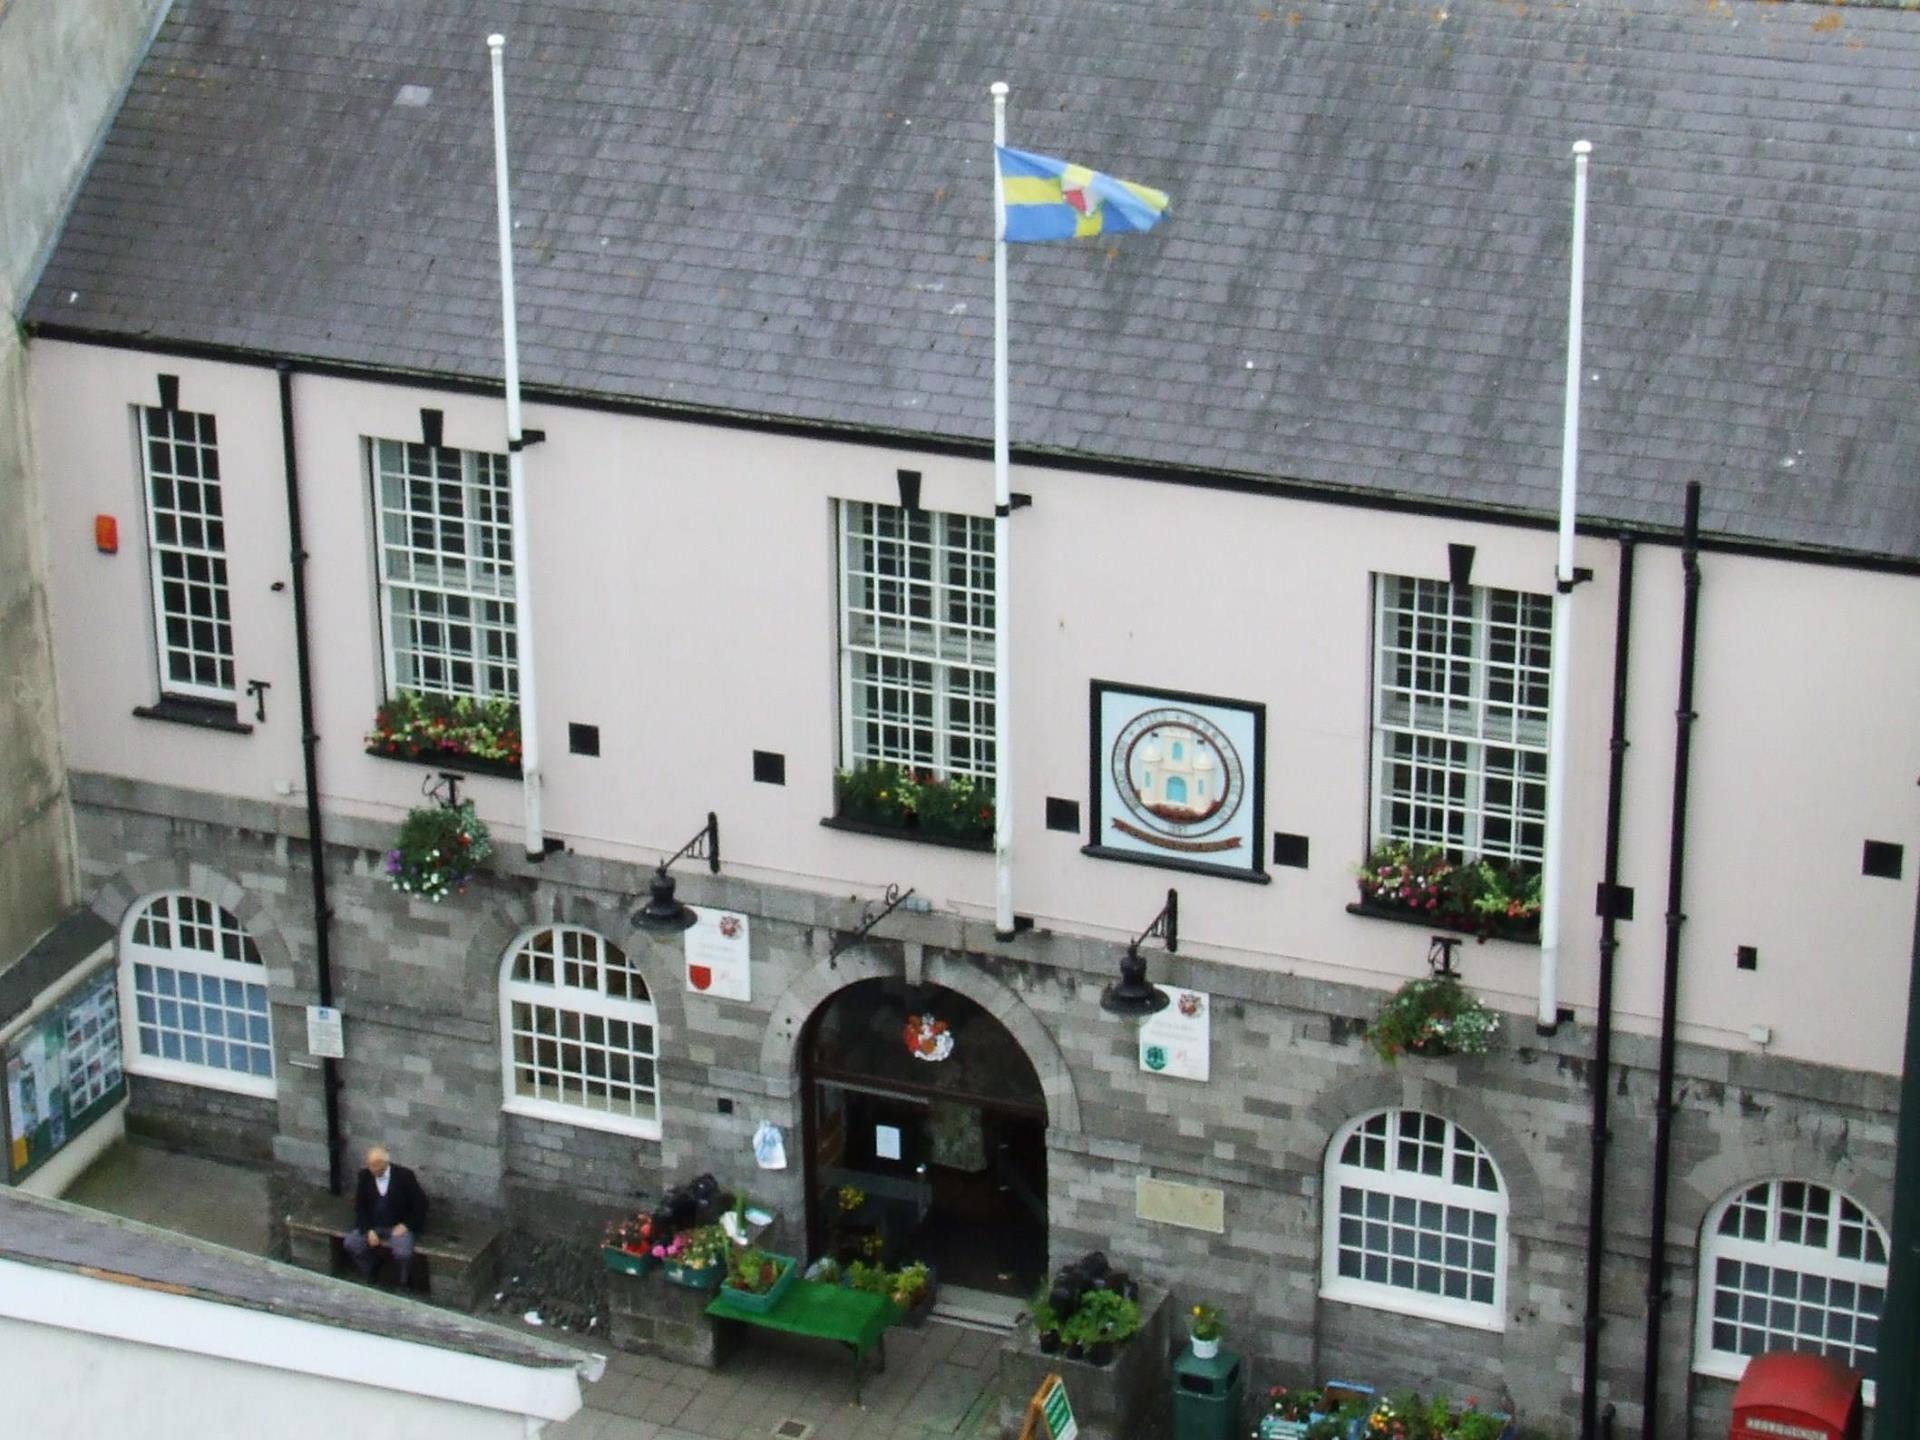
(1553, 877)
(1002, 554)
(516, 477)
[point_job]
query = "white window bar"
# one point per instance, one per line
(446, 570)
(1460, 718)
(578, 1024)
(1789, 1265)
(1416, 1220)
(187, 550)
(194, 994)
(916, 640)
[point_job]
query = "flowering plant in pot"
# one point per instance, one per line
(417, 726)
(437, 849)
(1204, 1325)
(1432, 1016)
(695, 1257)
(1479, 897)
(627, 1245)
(911, 1289)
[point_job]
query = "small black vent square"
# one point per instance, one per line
(1063, 814)
(725, 1105)
(583, 739)
(792, 1430)
(1747, 957)
(769, 768)
(1290, 850)
(1622, 901)
(1882, 859)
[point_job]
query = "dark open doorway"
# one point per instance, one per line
(949, 1155)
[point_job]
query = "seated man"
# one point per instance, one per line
(389, 1209)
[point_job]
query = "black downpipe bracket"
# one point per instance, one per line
(309, 744)
(1683, 718)
(1603, 1020)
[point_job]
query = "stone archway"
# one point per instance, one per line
(948, 1155)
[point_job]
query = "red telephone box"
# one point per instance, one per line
(1786, 1396)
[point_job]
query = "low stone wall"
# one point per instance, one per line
(650, 1315)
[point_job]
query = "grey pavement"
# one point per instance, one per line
(937, 1385)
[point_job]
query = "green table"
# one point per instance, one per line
(854, 1318)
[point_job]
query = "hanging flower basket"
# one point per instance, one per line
(438, 848)
(1433, 1016)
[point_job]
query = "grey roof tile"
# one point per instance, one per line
(783, 211)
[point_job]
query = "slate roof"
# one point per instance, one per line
(61, 1236)
(781, 209)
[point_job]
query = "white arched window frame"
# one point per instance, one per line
(194, 997)
(1415, 1220)
(577, 1031)
(1789, 1264)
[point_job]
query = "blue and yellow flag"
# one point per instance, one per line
(1047, 199)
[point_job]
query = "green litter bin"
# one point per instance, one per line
(1207, 1396)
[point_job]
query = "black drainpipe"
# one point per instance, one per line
(1603, 1022)
(1683, 718)
(309, 743)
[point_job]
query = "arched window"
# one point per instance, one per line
(1416, 1220)
(577, 1024)
(194, 995)
(1789, 1265)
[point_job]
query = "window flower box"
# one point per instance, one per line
(1425, 886)
(890, 800)
(460, 733)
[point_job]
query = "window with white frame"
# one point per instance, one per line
(187, 554)
(578, 1026)
(1460, 683)
(916, 640)
(1415, 1220)
(194, 996)
(1789, 1265)
(446, 570)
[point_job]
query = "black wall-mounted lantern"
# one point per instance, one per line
(1132, 995)
(662, 913)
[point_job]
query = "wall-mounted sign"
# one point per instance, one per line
(717, 955)
(63, 1072)
(928, 1038)
(326, 1032)
(1178, 1040)
(1193, 1207)
(1178, 780)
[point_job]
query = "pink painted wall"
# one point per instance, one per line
(684, 582)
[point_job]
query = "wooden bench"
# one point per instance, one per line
(854, 1318)
(455, 1260)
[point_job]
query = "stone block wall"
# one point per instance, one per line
(419, 984)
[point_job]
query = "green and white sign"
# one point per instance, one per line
(1057, 1410)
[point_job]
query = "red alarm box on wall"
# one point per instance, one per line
(1785, 1396)
(106, 534)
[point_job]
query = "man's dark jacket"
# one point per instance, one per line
(406, 1202)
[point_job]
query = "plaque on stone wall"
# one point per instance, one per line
(1194, 1207)
(717, 955)
(1178, 1040)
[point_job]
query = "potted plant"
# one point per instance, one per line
(911, 1289)
(695, 1257)
(1077, 1332)
(867, 1275)
(1431, 1016)
(448, 729)
(627, 1246)
(1046, 1323)
(1203, 1325)
(1289, 1413)
(875, 794)
(960, 807)
(755, 1280)
(438, 848)
(1478, 897)
(892, 797)
(1107, 1319)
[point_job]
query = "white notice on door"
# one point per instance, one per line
(886, 1142)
